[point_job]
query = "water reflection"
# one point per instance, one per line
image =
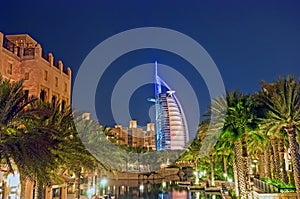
(153, 189)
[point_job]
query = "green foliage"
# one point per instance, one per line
(277, 183)
(280, 103)
(37, 139)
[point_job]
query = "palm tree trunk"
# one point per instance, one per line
(39, 191)
(262, 166)
(294, 147)
(23, 186)
(77, 183)
(272, 162)
(276, 172)
(212, 173)
(235, 175)
(247, 164)
(267, 165)
(284, 176)
(36, 190)
(241, 170)
(4, 190)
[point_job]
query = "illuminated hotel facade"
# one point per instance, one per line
(171, 125)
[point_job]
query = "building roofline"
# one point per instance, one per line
(27, 38)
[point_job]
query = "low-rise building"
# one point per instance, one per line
(21, 57)
(135, 136)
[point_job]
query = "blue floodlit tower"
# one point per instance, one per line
(170, 123)
(159, 125)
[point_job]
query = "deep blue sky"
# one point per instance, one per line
(248, 40)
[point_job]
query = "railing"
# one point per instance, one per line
(269, 188)
(11, 46)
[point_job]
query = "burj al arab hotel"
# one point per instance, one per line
(170, 123)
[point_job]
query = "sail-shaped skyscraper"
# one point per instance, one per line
(170, 123)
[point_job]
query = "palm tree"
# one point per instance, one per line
(225, 151)
(284, 176)
(89, 133)
(239, 122)
(22, 144)
(281, 101)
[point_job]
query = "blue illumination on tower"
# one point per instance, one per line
(158, 113)
(170, 124)
(157, 82)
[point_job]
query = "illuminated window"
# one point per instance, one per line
(56, 193)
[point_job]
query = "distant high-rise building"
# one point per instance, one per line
(171, 126)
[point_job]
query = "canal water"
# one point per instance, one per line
(152, 189)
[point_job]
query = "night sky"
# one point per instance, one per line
(249, 41)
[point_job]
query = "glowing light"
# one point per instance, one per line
(103, 182)
(90, 191)
(196, 177)
(229, 180)
(141, 187)
(13, 180)
(164, 184)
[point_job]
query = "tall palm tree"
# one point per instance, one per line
(281, 101)
(239, 122)
(284, 176)
(21, 144)
(88, 133)
(12, 104)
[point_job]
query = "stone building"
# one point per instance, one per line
(134, 136)
(21, 57)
